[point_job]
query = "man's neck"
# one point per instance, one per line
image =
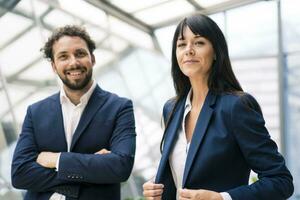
(75, 95)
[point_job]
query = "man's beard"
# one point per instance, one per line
(77, 84)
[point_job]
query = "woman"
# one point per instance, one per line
(215, 133)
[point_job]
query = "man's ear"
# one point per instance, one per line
(53, 67)
(93, 59)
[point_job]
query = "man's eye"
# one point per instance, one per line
(62, 57)
(81, 54)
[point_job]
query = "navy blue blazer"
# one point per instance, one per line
(229, 140)
(107, 122)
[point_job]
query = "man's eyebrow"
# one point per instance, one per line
(61, 52)
(82, 49)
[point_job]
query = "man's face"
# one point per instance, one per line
(73, 62)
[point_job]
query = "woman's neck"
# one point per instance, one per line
(199, 91)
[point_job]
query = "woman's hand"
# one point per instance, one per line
(187, 194)
(152, 191)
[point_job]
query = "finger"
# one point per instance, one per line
(184, 198)
(153, 198)
(152, 193)
(185, 193)
(152, 186)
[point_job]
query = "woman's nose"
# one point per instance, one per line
(189, 50)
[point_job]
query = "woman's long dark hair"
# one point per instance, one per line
(221, 78)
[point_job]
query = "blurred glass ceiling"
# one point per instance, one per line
(117, 26)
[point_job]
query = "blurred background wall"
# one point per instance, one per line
(133, 60)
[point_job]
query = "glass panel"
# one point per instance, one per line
(96, 34)
(85, 11)
(249, 34)
(164, 37)
(29, 5)
(57, 18)
(133, 5)
(103, 57)
(208, 3)
(291, 24)
(220, 21)
(259, 77)
(12, 24)
(134, 77)
(293, 119)
(115, 44)
(131, 34)
(174, 8)
(21, 52)
(41, 71)
(4, 104)
(113, 82)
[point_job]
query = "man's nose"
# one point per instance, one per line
(73, 60)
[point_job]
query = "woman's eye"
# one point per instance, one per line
(199, 43)
(180, 44)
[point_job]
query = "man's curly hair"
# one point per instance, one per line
(69, 30)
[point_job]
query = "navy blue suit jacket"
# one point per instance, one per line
(107, 122)
(229, 140)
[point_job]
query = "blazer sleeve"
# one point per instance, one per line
(27, 174)
(114, 167)
(260, 152)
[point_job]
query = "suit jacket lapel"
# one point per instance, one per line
(199, 132)
(59, 123)
(171, 135)
(95, 102)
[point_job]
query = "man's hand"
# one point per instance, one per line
(187, 194)
(47, 159)
(103, 151)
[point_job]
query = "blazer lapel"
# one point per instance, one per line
(95, 102)
(59, 123)
(171, 135)
(199, 132)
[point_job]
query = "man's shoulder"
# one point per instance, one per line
(113, 97)
(46, 101)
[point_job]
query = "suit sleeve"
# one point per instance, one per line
(260, 152)
(114, 167)
(27, 174)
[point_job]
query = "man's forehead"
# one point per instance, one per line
(69, 42)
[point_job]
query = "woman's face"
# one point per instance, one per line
(194, 54)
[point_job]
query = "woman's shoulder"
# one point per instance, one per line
(240, 98)
(169, 106)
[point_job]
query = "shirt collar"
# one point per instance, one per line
(188, 103)
(83, 100)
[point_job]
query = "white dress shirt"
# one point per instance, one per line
(71, 116)
(179, 154)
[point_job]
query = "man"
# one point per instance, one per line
(79, 143)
